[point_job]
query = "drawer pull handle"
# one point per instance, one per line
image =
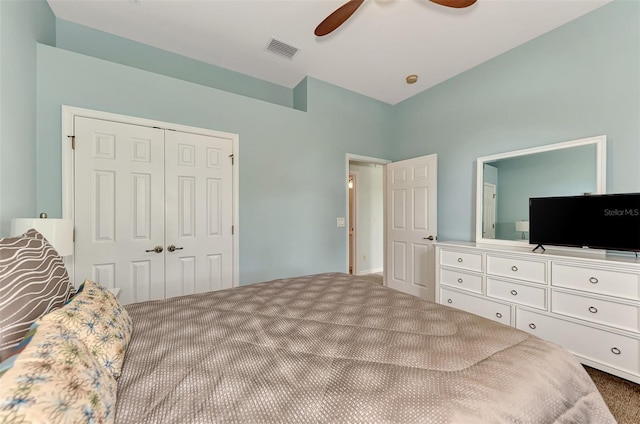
(514, 268)
(459, 259)
(460, 280)
(532, 326)
(593, 309)
(498, 314)
(615, 351)
(593, 280)
(513, 292)
(449, 301)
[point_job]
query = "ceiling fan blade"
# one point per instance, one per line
(338, 17)
(458, 4)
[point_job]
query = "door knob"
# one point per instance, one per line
(157, 249)
(428, 238)
(172, 248)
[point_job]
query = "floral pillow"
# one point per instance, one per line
(56, 379)
(97, 318)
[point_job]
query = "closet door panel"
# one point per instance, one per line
(119, 207)
(198, 184)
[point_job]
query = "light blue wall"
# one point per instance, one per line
(578, 81)
(22, 24)
(291, 162)
(490, 174)
(85, 40)
(300, 96)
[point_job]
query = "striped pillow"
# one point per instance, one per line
(33, 281)
(8, 363)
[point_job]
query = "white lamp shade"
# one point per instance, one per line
(58, 232)
(522, 226)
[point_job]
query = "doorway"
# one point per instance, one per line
(409, 222)
(352, 221)
(365, 216)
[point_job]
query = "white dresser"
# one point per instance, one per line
(587, 303)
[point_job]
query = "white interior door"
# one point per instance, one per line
(119, 207)
(198, 184)
(412, 225)
(489, 211)
(153, 209)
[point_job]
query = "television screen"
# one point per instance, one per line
(608, 221)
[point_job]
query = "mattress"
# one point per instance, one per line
(336, 348)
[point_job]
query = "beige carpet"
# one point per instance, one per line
(622, 396)
(377, 277)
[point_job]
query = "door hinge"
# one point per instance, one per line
(232, 158)
(73, 141)
(74, 235)
(494, 196)
(233, 229)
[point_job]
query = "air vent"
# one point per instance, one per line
(282, 49)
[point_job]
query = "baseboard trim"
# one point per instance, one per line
(370, 271)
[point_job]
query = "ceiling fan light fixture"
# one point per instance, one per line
(412, 79)
(341, 14)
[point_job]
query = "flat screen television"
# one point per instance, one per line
(606, 221)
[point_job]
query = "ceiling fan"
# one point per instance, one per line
(341, 14)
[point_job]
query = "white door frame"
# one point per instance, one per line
(68, 201)
(349, 157)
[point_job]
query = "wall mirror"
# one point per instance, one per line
(506, 181)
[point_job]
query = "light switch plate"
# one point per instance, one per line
(340, 221)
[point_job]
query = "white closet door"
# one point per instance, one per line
(119, 207)
(198, 184)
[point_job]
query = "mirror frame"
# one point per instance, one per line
(600, 143)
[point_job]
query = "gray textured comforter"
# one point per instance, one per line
(333, 348)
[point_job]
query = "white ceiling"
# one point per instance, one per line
(371, 54)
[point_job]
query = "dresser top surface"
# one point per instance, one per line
(549, 253)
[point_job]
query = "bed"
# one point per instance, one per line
(314, 349)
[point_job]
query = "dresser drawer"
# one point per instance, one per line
(618, 315)
(463, 260)
(476, 305)
(461, 280)
(522, 269)
(614, 283)
(517, 293)
(617, 351)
